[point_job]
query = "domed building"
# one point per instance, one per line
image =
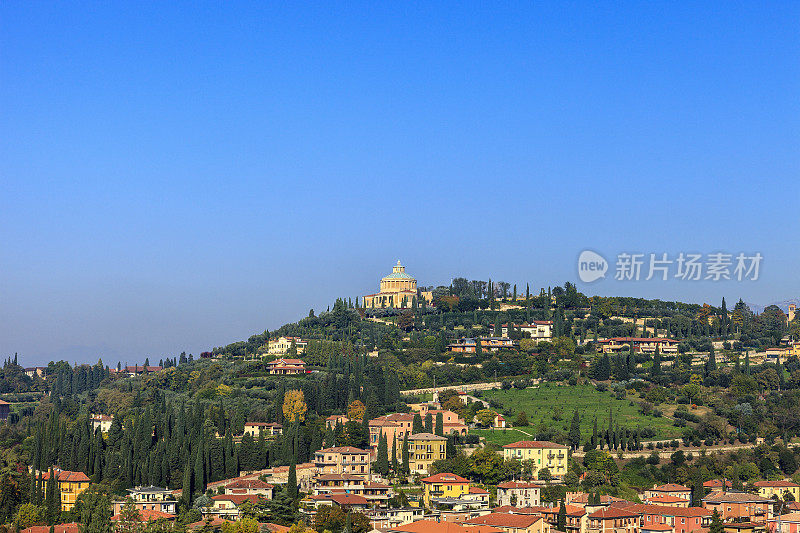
(398, 290)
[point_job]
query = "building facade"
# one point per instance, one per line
(342, 460)
(544, 454)
(423, 450)
(398, 290)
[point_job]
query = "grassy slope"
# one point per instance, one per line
(540, 404)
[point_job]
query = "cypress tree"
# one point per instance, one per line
(416, 425)
(382, 461)
(52, 499)
(291, 484)
(429, 423)
(406, 464)
(439, 424)
(561, 523)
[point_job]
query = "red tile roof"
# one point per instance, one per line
(716, 484)
(237, 499)
(534, 444)
(505, 520)
(445, 478)
(671, 487)
(478, 490)
(663, 510)
(348, 499)
(517, 485)
(67, 476)
(777, 484)
(613, 512)
(519, 510)
(666, 499)
(430, 526)
(70, 527)
(344, 449)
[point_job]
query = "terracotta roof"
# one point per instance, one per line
(505, 520)
(517, 485)
(445, 478)
(788, 517)
(716, 483)
(613, 512)
(534, 444)
(430, 526)
(777, 484)
(426, 436)
(287, 361)
(237, 499)
(348, 499)
(67, 476)
(70, 527)
(671, 487)
(216, 522)
(572, 510)
(248, 484)
(147, 515)
(344, 449)
(605, 499)
(478, 490)
(734, 497)
(664, 510)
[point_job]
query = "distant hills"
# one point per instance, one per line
(784, 305)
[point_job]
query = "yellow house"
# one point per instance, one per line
(423, 450)
(70, 484)
(444, 485)
(544, 454)
(768, 489)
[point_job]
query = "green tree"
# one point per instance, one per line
(291, 483)
(561, 522)
(416, 424)
(575, 431)
(716, 525)
(28, 515)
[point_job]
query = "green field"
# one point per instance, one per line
(553, 406)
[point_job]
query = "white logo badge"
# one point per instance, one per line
(591, 266)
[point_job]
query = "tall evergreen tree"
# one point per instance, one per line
(291, 483)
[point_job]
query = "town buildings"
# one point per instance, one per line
(778, 489)
(468, 345)
(544, 454)
(250, 487)
(255, 429)
(613, 520)
(342, 460)
(283, 345)
(639, 344)
(286, 366)
(70, 485)
(739, 506)
(101, 422)
(444, 485)
(398, 290)
(512, 523)
(518, 493)
(670, 489)
(5, 410)
(423, 450)
(149, 498)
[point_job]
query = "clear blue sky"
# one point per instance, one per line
(178, 176)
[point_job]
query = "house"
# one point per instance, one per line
(39, 371)
(227, 505)
(71, 527)
(377, 494)
(304, 472)
(488, 344)
(577, 519)
(282, 345)
(385, 518)
(512, 523)
(250, 486)
(613, 520)
(668, 500)
(519, 493)
(639, 345)
(670, 489)
(101, 422)
(679, 519)
(395, 426)
(581, 499)
(477, 494)
(342, 460)
(286, 366)
(149, 499)
(739, 506)
(717, 484)
(423, 450)
(778, 489)
(348, 502)
(70, 485)
(544, 454)
(334, 420)
(540, 330)
(5, 410)
(254, 429)
(787, 523)
(499, 421)
(443, 485)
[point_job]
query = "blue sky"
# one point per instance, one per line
(177, 176)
